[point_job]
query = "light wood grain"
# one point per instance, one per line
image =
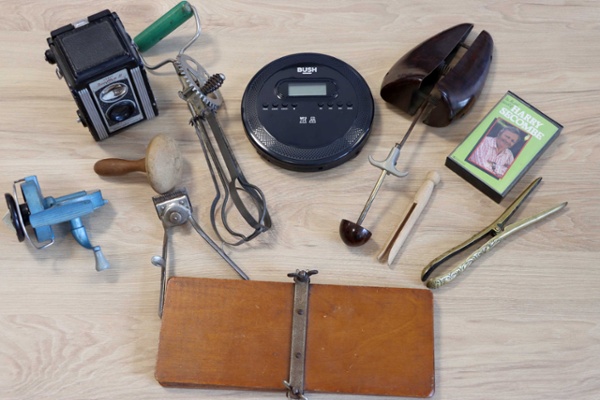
(524, 323)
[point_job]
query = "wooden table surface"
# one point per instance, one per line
(523, 323)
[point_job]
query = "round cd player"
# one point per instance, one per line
(307, 112)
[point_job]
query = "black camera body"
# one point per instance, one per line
(104, 72)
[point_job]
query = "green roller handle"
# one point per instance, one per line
(163, 26)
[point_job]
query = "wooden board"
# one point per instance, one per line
(234, 333)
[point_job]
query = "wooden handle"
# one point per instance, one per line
(400, 234)
(118, 167)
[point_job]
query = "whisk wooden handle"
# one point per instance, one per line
(118, 167)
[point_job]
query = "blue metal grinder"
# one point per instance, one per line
(40, 213)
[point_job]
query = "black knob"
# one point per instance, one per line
(49, 56)
(14, 216)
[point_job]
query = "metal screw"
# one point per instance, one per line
(175, 217)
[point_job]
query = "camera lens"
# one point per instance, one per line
(113, 92)
(121, 111)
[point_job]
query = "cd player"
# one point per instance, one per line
(307, 112)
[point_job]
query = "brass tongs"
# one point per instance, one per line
(497, 229)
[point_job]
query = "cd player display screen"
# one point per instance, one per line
(298, 89)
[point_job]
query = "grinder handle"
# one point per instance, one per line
(163, 26)
(118, 167)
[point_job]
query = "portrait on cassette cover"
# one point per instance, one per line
(498, 148)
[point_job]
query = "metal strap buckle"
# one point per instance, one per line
(295, 385)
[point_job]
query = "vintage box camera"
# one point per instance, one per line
(104, 72)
